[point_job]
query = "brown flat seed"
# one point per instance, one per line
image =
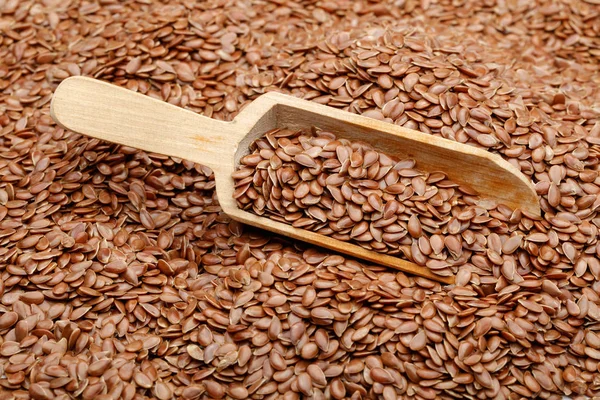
(238, 392)
(317, 375)
(275, 301)
(414, 227)
(381, 376)
(511, 245)
(134, 65)
(9, 348)
(99, 367)
(321, 313)
(162, 391)
(305, 384)
(8, 319)
(593, 353)
(40, 392)
(142, 380)
(214, 389)
(32, 298)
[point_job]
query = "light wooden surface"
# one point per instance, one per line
(98, 109)
(118, 115)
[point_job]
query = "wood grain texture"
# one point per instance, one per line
(117, 115)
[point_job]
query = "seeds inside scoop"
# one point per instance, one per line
(355, 193)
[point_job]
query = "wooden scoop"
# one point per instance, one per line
(98, 109)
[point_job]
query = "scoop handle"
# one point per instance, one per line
(98, 109)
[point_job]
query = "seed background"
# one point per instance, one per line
(122, 279)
